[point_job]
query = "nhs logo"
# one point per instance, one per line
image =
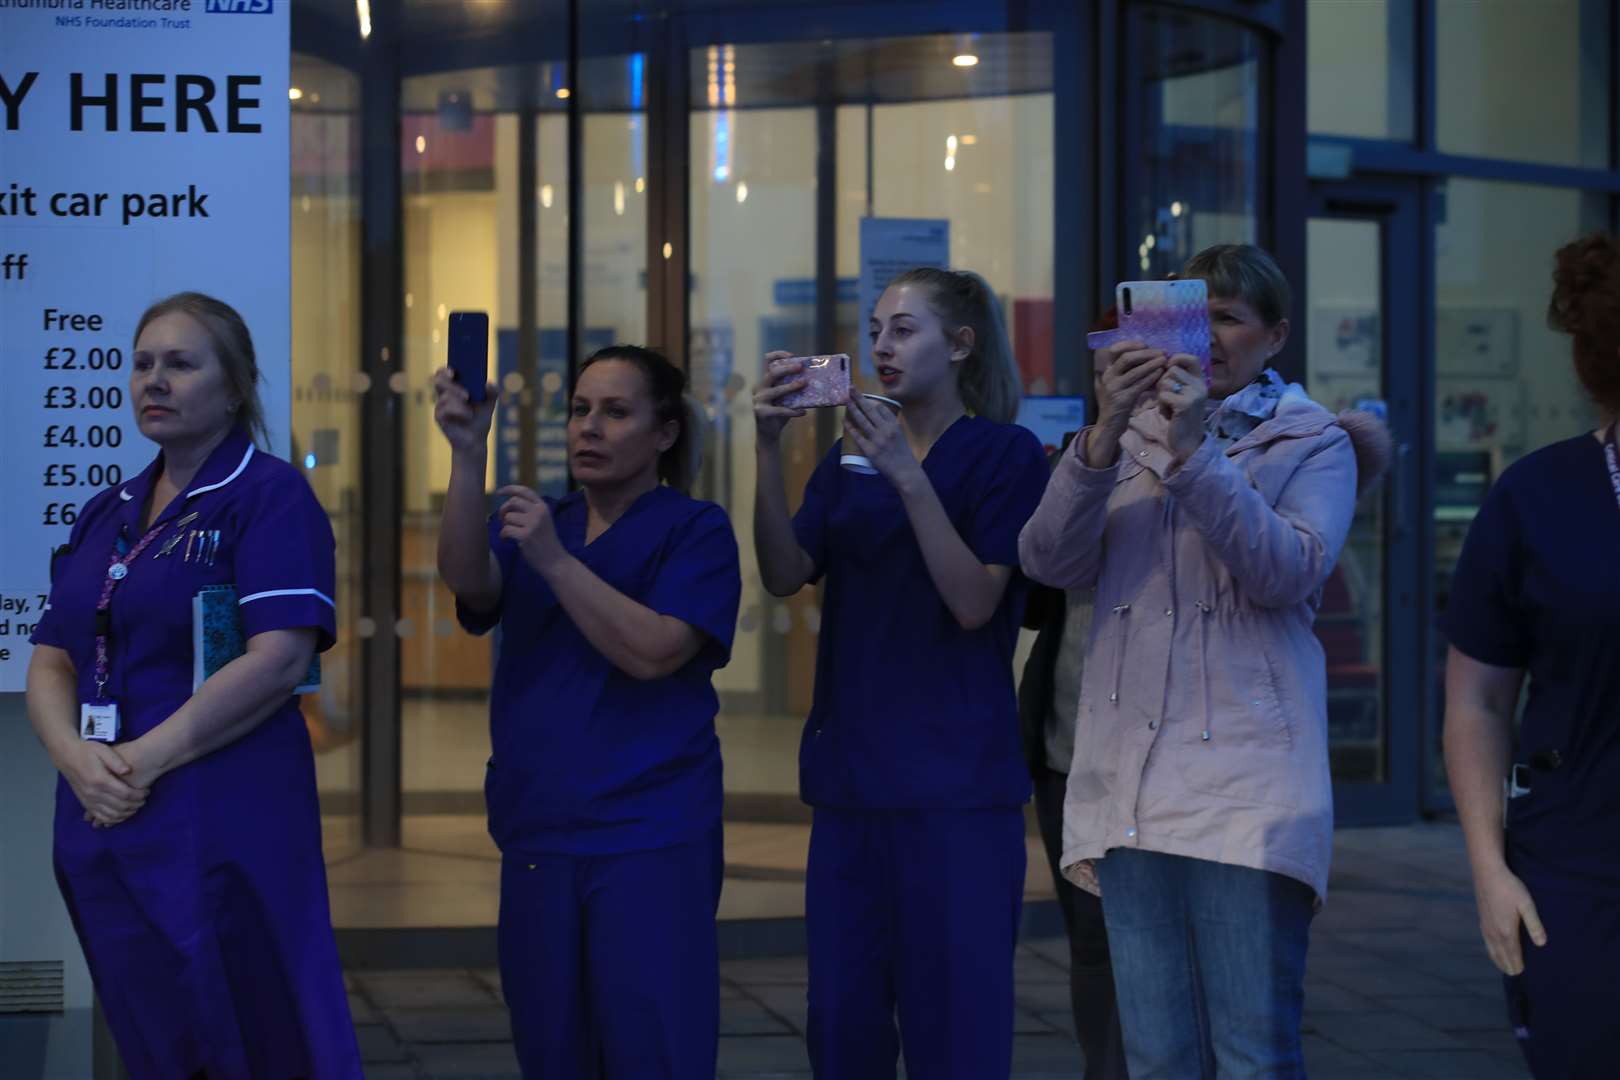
(237, 7)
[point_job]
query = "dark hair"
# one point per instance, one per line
(666, 385)
(988, 379)
(1586, 305)
(1244, 272)
(232, 344)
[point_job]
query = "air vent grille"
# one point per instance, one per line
(30, 986)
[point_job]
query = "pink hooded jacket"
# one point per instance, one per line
(1202, 728)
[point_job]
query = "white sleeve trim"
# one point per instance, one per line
(287, 592)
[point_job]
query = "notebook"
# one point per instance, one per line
(216, 637)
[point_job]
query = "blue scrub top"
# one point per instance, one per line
(588, 760)
(1538, 587)
(275, 545)
(911, 711)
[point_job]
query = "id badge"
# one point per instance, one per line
(98, 721)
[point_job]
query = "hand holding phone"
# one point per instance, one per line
(827, 381)
(469, 352)
(1168, 315)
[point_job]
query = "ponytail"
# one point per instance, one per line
(685, 458)
(988, 379)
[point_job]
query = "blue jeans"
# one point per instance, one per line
(1209, 966)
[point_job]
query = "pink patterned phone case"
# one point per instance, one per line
(1168, 315)
(828, 378)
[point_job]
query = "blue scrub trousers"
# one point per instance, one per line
(1564, 1005)
(1209, 966)
(609, 963)
(913, 913)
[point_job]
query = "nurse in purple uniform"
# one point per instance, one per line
(188, 842)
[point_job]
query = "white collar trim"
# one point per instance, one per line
(194, 492)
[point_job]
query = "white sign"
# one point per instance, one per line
(889, 247)
(143, 151)
(1051, 418)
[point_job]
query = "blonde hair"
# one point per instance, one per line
(988, 379)
(228, 333)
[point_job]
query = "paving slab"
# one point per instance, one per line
(488, 1024)
(469, 1061)
(1368, 1032)
(425, 989)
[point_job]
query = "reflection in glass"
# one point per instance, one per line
(1524, 80)
(1344, 369)
(324, 131)
(1360, 67)
(1193, 131)
(462, 140)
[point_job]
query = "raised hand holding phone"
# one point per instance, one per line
(464, 423)
(1127, 373)
(826, 381)
(783, 376)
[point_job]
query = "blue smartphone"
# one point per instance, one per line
(469, 352)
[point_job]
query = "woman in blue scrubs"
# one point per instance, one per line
(616, 605)
(188, 842)
(1536, 598)
(911, 757)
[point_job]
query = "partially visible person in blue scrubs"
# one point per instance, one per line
(911, 757)
(616, 603)
(1537, 595)
(188, 836)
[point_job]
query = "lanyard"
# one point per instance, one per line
(1611, 455)
(117, 571)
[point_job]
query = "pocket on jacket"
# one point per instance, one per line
(1249, 754)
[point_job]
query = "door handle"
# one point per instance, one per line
(1401, 525)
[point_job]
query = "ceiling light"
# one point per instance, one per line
(562, 93)
(293, 93)
(964, 59)
(362, 8)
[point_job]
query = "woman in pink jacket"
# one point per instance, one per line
(1199, 798)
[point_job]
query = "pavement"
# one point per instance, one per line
(1397, 985)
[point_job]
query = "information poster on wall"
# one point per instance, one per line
(1051, 418)
(143, 151)
(889, 247)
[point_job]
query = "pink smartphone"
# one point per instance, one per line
(1168, 315)
(827, 378)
